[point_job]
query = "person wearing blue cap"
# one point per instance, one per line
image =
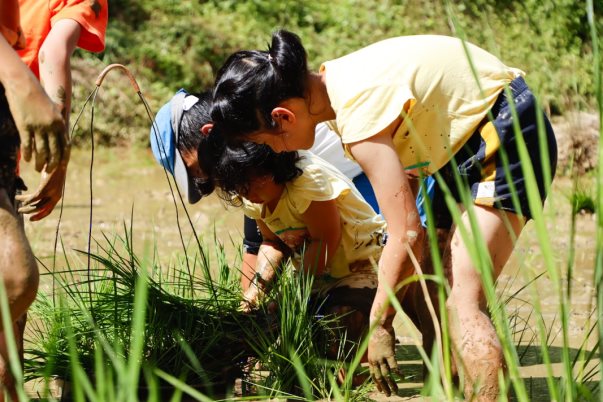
(174, 141)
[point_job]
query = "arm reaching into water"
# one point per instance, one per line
(324, 226)
(377, 155)
(270, 256)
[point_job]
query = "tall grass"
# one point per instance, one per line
(598, 80)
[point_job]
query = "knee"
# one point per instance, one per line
(21, 289)
(21, 279)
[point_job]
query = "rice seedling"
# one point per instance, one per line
(582, 200)
(178, 323)
(131, 318)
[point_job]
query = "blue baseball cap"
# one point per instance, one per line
(164, 139)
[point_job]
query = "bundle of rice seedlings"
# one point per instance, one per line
(193, 328)
(192, 333)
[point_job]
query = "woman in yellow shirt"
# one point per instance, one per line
(408, 103)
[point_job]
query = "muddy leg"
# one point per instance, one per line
(5, 376)
(19, 273)
(475, 343)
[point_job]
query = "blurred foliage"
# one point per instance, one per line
(170, 44)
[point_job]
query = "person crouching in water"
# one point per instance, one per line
(307, 209)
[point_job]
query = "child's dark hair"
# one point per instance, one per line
(252, 83)
(238, 166)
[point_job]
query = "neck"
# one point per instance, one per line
(319, 104)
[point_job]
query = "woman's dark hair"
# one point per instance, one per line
(191, 139)
(238, 166)
(251, 83)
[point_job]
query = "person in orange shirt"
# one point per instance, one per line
(50, 32)
(28, 118)
(53, 29)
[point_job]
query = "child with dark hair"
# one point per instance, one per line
(176, 135)
(409, 106)
(307, 209)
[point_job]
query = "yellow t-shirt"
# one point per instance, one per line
(362, 229)
(425, 79)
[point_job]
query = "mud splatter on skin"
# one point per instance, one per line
(61, 97)
(96, 7)
(61, 94)
(42, 57)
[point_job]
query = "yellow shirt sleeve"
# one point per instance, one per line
(254, 211)
(314, 185)
(372, 111)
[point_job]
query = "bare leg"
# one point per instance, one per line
(19, 272)
(473, 335)
(5, 376)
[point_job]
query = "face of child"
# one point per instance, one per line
(192, 164)
(263, 190)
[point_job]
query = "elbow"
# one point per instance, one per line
(414, 231)
(409, 231)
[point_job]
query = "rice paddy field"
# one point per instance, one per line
(139, 294)
(131, 192)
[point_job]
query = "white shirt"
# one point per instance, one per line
(327, 145)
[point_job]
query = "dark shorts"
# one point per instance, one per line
(252, 239)
(9, 147)
(359, 299)
(480, 163)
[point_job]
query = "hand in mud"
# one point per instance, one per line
(49, 192)
(382, 361)
(40, 123)
(251, 299)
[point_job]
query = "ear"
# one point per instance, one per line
(206, 128)
(283, 115)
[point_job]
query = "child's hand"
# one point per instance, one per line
(251, 299)
(382, 360)
(39, 121)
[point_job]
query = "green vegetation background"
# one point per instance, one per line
(169, 44)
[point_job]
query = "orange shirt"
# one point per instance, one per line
(9, 23)
(38, 16)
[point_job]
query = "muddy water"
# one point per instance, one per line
(129, 188)
(130, 180)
